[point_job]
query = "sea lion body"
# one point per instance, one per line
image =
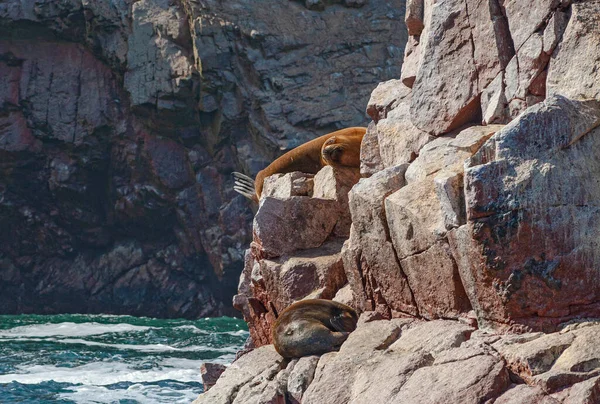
(312, 327)
(339, 148)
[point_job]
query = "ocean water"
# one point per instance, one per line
(110, 359)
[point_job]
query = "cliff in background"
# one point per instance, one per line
(477, 211)
(121, 121)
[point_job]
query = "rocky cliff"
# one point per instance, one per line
(423, 362)
(121, 121)
(477, 210)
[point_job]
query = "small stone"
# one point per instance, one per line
(301, 376)
(210, 374)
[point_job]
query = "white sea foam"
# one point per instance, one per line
(149, 348)
(137, 392)
(98, 382)
(70, 330)
(237, 333)
(197, 330)
(106, 373)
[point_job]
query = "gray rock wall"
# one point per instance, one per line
(121, 121)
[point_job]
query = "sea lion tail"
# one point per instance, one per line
(244, 185)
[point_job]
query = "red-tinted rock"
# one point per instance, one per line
(268, 286)
(285, 185)
(210, 373)
(371, 264)
(252, 374)
(399, 140)
(15, 136)
(370, 158)
(445, 97)
(169, 161)
(298, 223)
(417, 361)
(385, 98)
(572, 72)
(420, 214)
(335, 184)
(534, 181)
(523, 394)
(414, 16)
(318, 273)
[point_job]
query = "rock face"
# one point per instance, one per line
(534, 181)
(370, 261)
(497, 218)
(569, 73)
(296, 252)
(412, 361)
(477, 210)
(121, 121)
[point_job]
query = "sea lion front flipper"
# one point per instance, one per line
(244, 187)
(241, 176)
(342, 323)
(338, 338)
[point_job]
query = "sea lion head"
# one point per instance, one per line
(332, 152)
(342, 150)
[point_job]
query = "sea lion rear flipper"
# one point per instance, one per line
(244, 185)
(240, 176)
(244, 193)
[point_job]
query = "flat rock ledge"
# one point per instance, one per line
(414, 361)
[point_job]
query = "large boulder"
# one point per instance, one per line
(299, 222)
(464, 48)
(419, 215)
(574, 68)
(249, 379)
(370, 262)
(299, 211)
(530, 238)
(315, 273)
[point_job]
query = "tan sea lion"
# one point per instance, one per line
(312, 327)
(339, 148)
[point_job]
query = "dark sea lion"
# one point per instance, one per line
(312, 327)
(339, 148)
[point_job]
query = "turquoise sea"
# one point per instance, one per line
(110, 359)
